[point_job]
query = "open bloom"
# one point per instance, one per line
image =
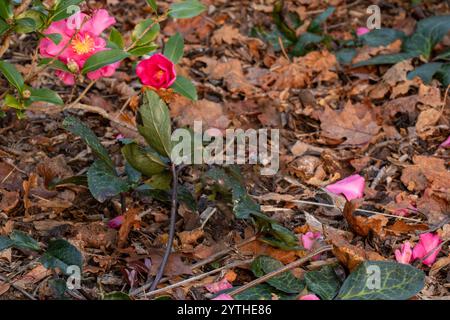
(404, 254)
(446, 143)
(157, 71)
(86, 42)
(351, 187)
(428, 246)
(309, 297)
(116, 222)
(361, 31)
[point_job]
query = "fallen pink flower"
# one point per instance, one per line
(309, 297)
(351, 187)
(404, 254)
(446, 143)
(361, 31)
(116, 222)
(309, 238)
(75, 48)
(157, 71)
(223, 296)
(218, 286)
(428, 246)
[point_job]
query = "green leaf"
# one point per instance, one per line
(174, 48)
(387, 59)
(443, 74)
(153, 5)
(144, 34)
(12, 102)
(397, 282)
(76, 180)
(54, 64)
(160, 181)
(306, 39)
(263, 292)
(12, 75)
(285, 281)
(417, 44)
(116, 38)
(434, 28)
(143, 50)
(3, 27)
(61, 254)
(425, 71)
(78, 128)
(116, 295)
(64, 9)
(381, 37)
(314, 27)
(103, 182)
(186, 9)
(24, 241)
(154, 123)
(185, 87)
(46, 95)
(103, 58)
(443, 56)
(5, 243)
(346, 55)
(145, 161)
(323, 282)
(6, 9)
(25, 25)
(56, 38)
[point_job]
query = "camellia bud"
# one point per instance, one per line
(73, 66)
(26, 94)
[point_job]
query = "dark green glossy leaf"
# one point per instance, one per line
(103, 182)
(46, 95)
(185, 87)
(144, 161)
(263, 292)
(387, 59)
(103, 58)
(77, 180)
(425, 71)
(5, 243)
(6, 9)
(346, 55)
(3, 27)
(154, 123)
(397, 282)
(145, 32)
(24, 241)
(61, 254)
(304, 41)
(443, 74)
(174, 48)
(285, 281)
(160, 181)
(54, 64)
(12, 75)
(318, 20)
(323, 282)
(64, 9)
(25, 25)
(434, 28)
(186, 9)
(381, 37)
(116, 38)
(143, 50)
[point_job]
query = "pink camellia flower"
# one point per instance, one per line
(446, 143)
(223, 296)
(86, 42)
(428, 245)
(309, 297)
(352, 187)
(404, 254)
(218, 286)
(309, 238)
(157, 71)
(361, 31)
(116, 222)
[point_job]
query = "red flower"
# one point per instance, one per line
(157, 72)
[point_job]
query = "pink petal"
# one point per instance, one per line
(446, 143)
(309, 238)
(428, 243)
(309, 297)
(362, 31)
(223, 296)
(116, 222)
(66, 77)
(218, 286)
(404, 254)
(147, 69)
(106, 71)
(100, 21)
(352, 187)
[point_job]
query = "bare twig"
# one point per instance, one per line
(12, 284)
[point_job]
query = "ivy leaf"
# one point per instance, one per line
(145, 161)
(103, 182)
(5, 243)
(150, 35)
(174, 48)
(154, 123)
(186, 9)
(12, 75)
(103, 58)
(46, 95)
(24, 241)
(285, 281)
(78, 128)
(397, 282)
(314, 27)
(61, 254)
(185, 87)
(425, 71)
(323, 282)
(381, 37)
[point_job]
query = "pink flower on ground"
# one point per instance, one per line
(157, 71)
(84, 44)
(223, 296)
(404, 254)
(428, 245)
(218, 286)
(116, 222)
(361, 31)
(309, 297)
(309, 238)
(446, 143)
(352, 187)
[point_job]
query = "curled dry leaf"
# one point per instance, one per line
(364, 225)
(9, 200)
(131, 220)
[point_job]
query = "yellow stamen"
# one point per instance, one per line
(159, 74)
(83, 45)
